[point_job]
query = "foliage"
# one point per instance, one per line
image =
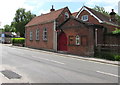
(18, 40)
(101, 9)
(8, 28)
(21, 19)
(107, 55)
(116, 31)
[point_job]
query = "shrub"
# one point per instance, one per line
(117, 57)
(18, 40)
(108, 56)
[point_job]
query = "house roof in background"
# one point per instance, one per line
(99, 16)
(74, 14)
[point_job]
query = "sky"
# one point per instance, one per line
(38, 7)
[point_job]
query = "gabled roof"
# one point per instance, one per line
(99, 16)
(44, 18)
(74, 14)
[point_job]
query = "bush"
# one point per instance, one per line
(117, 57)
(18, 40)
(108, 56)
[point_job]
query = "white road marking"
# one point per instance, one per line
(110, 74)
(52, 61)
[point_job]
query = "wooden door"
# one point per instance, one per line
(62, 42)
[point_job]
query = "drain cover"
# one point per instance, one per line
(10, 74)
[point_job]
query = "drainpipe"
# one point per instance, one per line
(96, 37)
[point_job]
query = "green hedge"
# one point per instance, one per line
(18, 40)
(108, 56)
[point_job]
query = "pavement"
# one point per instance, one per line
(69, 55)
(4, 79)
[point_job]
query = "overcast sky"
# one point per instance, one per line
(9, 7)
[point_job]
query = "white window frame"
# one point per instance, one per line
(84, 18)
(66, 15)
(37, 34)
(45, 34)
(31, 35)
(77, 40)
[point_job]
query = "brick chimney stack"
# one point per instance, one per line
(112, 16)
(52, 9)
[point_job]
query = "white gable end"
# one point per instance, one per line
(100, 21)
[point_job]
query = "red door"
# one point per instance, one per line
(62, 42)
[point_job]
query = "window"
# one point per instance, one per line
(45, 34)
(77, 40)
(37, 34)
(31, 35)
(84, 18)
(66, 15)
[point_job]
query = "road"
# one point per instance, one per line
(37, 66)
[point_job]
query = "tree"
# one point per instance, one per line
(21, 19)
(101, 9)
(7, 28)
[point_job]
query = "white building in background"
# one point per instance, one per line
(119, 7)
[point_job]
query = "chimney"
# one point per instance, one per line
(112, 16)
(52, 8)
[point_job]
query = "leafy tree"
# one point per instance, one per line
(21, 19)
(7, 28)
(101, 9)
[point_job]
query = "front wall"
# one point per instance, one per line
(40, 43)
(81, 30)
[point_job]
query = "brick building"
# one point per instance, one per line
(41, 30)
(60, 31)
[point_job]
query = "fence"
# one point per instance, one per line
(110, 49)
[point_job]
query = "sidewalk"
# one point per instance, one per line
(72, 56)
(4, 79)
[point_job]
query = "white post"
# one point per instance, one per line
(54, 37)
(96, 36)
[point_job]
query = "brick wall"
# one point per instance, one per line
(40, 43)
(73, 28)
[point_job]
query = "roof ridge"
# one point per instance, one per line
(52, 12)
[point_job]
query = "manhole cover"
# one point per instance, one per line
(10, 74)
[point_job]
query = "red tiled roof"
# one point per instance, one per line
(45, 17)
(74, 14)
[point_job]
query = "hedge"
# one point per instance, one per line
(107, 55)
(18, 40)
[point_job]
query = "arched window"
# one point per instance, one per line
(45, 34)
(77, 40)
(66, 15)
